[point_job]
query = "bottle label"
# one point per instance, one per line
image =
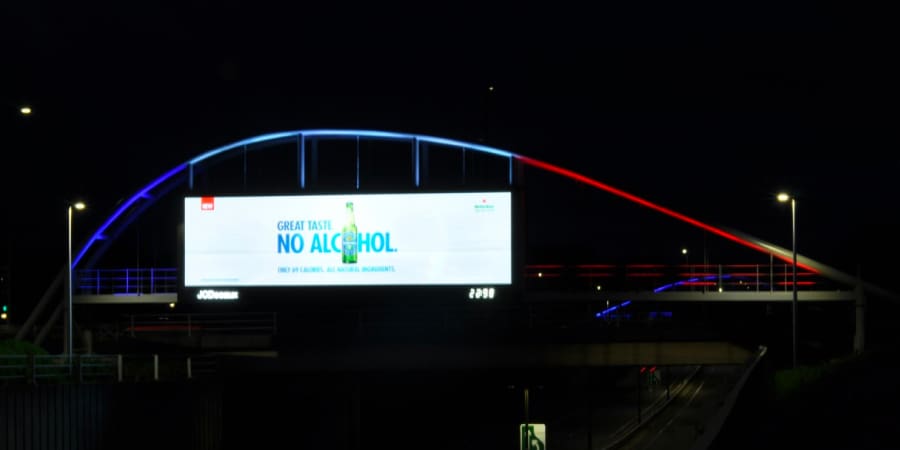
(348, 252)
(349, 245)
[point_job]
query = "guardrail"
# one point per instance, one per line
(196, 323)
(93, 368)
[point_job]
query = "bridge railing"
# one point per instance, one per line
(129, 281)
(678, 277)
(632, 277)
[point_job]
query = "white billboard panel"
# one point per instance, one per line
(348, 240)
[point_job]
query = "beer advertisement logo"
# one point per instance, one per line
(484, 206)
(319, 235)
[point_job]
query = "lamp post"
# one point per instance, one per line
(784, 197)
(687, 266)
(79, 206)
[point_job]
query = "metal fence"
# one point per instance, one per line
(42, 369)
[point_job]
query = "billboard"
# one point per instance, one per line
(349, 240)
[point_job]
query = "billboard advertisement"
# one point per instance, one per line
(349, 240)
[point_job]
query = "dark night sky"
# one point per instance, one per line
(708, 108)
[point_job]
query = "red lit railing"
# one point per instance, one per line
(642, 277)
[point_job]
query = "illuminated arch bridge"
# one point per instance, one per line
(340, 161)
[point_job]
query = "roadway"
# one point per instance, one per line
(682, 422)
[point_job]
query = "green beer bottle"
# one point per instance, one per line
(348, 237)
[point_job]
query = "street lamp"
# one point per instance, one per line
(784, 197)
(687, 266)
(79, 206)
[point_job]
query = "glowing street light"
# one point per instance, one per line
(25, 110)
(79, 206)
(783, 198)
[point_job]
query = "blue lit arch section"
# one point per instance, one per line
(131, 208)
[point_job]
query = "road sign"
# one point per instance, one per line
(534, 437)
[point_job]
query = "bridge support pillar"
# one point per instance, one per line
(859, 337)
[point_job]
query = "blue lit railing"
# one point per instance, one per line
(129, 281)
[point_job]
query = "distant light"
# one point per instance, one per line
(540, 274)
(25, 110)
(684, 251)
(599, 287)
(490, 88)
(720, 289)
(172, 305)
(783, 197)
(79, 206)
(4, 316)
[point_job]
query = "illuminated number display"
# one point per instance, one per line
(481, 293)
